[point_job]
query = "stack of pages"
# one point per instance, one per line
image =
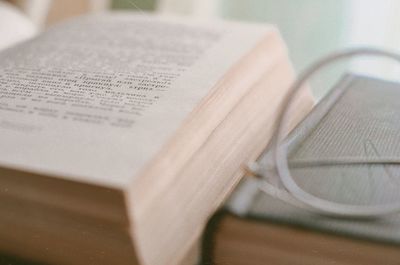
(121, 134)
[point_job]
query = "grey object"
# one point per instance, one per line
(290, 190)
(351, 154)
(346, 151)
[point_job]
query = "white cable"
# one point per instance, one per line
(280, 150)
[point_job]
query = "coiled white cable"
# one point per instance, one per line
(293, 193)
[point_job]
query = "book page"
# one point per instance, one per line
(95, 98)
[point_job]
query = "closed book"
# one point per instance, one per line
(345, 152)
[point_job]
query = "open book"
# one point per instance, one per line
(120, 134)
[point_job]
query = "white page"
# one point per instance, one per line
(95, 98)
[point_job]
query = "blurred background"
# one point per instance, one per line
(311, 28)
